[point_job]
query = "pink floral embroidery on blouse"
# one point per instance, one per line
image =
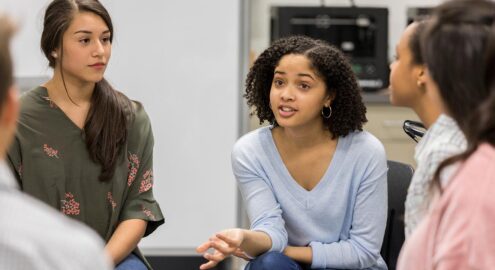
(147, 182)
(133, 168)
(69, 205)
(110, 199)
(50, 151)
(148, 213)
(52, 104)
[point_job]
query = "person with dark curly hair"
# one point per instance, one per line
(314, 183)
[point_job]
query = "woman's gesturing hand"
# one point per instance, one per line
(224, 244)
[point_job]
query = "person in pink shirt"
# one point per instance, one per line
(459, 50)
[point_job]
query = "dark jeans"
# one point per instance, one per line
(274, 261)
(131, 262)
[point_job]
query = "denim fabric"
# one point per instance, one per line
(273, 261)
(132, 262)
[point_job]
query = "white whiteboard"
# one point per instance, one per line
(181, 60)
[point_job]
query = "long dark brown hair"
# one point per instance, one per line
(459, 50)
(415, 41)
(111, 111)
(6, 31)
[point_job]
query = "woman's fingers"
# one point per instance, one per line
(213, 259)
(227, 240)
(216, 256)
(203, 247)
(223, 248)
(208, 265)
(223, 245)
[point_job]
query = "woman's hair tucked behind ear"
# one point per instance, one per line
(415, 41)
(111, 112)
(348, 110)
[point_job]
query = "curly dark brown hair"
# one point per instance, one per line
(348, 110)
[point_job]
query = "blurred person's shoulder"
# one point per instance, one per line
(35, 236)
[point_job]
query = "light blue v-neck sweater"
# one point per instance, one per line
(342, 218)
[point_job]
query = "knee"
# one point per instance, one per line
(131, 262)
(272, 261)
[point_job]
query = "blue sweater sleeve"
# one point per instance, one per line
(262, 207)
(362, 248)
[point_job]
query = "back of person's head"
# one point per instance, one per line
(111, 112)
(58, 16)
(466, 79)
(6, 76)
(454, 47)
(482, 128)
(330, 64)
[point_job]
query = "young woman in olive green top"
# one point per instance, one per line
(81, 146)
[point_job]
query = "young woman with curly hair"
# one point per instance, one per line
(313, 182)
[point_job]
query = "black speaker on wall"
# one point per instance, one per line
(361, 33)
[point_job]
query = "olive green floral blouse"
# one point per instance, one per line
(51, 162)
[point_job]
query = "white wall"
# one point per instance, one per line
(181, 60)
(28, 58)
(260, 17)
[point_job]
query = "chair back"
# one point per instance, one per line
(398, 178)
